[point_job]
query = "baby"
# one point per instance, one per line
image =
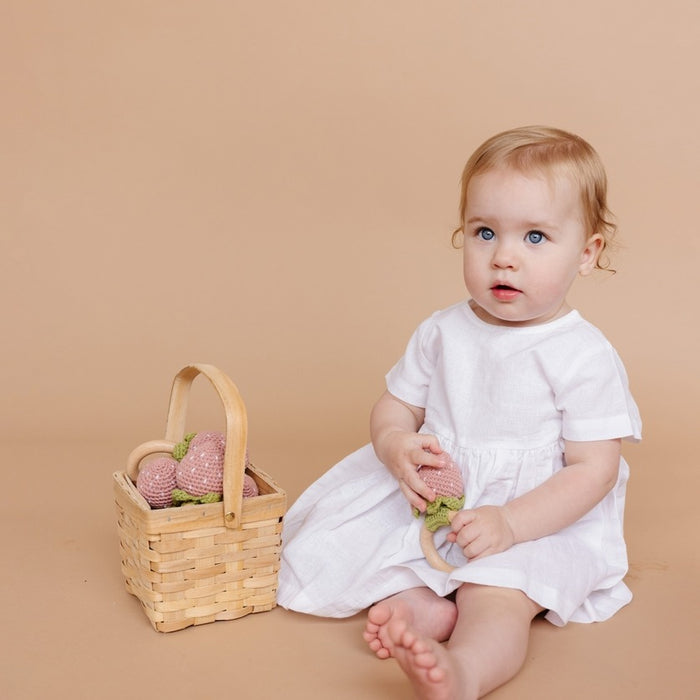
(529, 400)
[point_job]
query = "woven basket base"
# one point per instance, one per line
(187, 567)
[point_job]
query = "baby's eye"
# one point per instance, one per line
(486, 234)
(535, 237)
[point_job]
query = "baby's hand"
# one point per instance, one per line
(403, 453)
(482, 531)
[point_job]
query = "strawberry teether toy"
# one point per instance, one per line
(201, 470)
(156, 481)
(250, 488)
(448, 484)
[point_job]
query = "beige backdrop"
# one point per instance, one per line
(271, 187)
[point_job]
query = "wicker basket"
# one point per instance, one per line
(201, 563)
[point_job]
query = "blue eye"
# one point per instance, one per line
(535, 237)
(486, 234)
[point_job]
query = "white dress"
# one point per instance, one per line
(501, 400)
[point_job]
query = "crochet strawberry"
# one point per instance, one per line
(201, 470)
(156, 481)
(448, 484)
(250, 487)
(445, 480)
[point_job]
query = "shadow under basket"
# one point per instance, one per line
(196, 564)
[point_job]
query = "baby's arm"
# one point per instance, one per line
(398, 445)
(591, 472)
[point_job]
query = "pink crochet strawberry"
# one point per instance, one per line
(201, 470)
(445, 480)
(250, 487)
(156, 481)
(448, 484)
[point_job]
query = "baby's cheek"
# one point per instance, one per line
(549, 286)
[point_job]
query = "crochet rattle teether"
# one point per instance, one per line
(200, 473)
(201, 468)
(448, 484)
(156, 481)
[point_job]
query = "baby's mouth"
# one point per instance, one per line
(504, 292)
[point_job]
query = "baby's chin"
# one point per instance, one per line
(509, 315)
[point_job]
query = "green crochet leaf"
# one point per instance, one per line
(180, 450)
(181, 497)
(437, 512)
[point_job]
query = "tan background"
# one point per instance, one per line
(270, 187)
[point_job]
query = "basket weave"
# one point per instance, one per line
(201, 563)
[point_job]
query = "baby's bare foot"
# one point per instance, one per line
(375, 628)
(432, 670)
(426, 612)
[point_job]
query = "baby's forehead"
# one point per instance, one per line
(550, 171)
(534, 193)
(558, 179)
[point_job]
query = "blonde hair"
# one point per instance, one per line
(550, 152)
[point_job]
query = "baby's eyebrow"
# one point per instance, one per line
(541, 226)
(526, 225)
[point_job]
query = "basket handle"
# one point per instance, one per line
(236, 430)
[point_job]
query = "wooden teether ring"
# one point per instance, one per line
(427, 544)
(144, 450)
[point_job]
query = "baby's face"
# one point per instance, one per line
(524, 244)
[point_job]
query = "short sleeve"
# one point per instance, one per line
(409, 378)
(595, 400)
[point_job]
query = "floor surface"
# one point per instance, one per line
(71, 630)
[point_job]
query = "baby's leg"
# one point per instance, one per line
(486, 649)
(421, 609)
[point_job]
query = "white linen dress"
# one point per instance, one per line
(501, 401)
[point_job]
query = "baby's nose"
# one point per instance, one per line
(505, 256)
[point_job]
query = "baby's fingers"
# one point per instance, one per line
(414, 499)
(415, 482)
(461, 520)
(426, 449)
(427, 458)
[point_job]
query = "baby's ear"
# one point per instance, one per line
(590, 254)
